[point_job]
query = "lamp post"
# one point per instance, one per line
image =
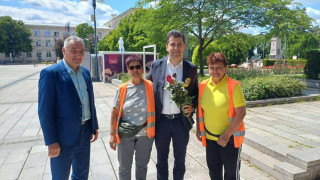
(94, 5)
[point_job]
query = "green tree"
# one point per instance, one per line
(208, 20)
(135, 32)
(237, 47)
(301, 43)
(86, 32)
(14, 33)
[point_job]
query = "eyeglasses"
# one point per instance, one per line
(133, 67)
(216, 68)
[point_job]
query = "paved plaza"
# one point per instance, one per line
(284, 130)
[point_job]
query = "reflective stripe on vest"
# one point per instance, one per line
(239, 134)
(150, 108)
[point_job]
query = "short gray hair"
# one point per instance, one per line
(73, 38)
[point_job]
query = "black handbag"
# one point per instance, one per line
(127, 130)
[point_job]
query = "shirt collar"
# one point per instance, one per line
(179, 66)
(69, 68)
(223, 80)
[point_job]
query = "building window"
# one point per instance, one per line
(29, 54)
(56, 34)
(38, 54)
(48, 54)
(48, 44)
(37, 32)
(47, 33)
(99, 35)
(38, 43)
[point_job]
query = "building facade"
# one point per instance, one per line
(44, 38)
(114, 21)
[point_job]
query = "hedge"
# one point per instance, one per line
(290, 62)
(271, 87)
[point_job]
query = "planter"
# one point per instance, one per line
(116, 82)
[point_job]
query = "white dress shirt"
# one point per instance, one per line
(170, 107)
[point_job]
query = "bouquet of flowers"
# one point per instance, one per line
(179, 93)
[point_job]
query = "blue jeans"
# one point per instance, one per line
(77, 155)
(167, 129)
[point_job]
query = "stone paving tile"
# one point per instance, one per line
(11, 171)
(102, 172)
(17, 156)
(34, 173)
(36, 160)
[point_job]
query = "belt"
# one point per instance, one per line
(84, 122)
(171, 116)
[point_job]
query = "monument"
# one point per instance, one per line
(275, 50)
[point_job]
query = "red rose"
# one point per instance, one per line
(169, 79)
(174, 75)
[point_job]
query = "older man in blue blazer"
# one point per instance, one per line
(67, 112)
(170, 122)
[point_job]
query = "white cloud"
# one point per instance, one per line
(57, 12)
(250, 30)
(315, 14)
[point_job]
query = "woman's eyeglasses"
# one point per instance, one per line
(133, 67)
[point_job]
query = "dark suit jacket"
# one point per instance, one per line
(157, 76)
(60, 108)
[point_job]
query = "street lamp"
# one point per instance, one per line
(94, 5)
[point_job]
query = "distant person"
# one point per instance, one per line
(148, 66)
(46, 62)
(171, 123)
(220, 126)
(67, 113)
(133, 121)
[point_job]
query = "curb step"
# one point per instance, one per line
(274, 167)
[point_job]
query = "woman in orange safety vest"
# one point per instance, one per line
(220, 126)
(132, 126)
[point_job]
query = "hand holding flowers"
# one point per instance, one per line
(179, 94)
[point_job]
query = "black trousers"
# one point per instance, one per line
(219, 157)
(167, 130)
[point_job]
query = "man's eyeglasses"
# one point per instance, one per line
(137, 67)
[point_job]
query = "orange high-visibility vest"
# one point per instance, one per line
(239, 134)
(151, 119)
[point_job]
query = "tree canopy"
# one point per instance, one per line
(208, 20)
(86, 32)
(14, 35)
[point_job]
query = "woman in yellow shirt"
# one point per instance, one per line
(220, 124)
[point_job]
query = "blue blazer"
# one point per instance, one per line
(157, 76)
(60, 108)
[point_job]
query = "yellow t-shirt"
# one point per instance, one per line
(215, 105)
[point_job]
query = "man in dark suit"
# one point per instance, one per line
(67, 112)
(170, 122)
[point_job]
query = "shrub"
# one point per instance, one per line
(268, 62)
(312, 67)
(271, 87)
(242, 73)
(290, 62)
(123, 77)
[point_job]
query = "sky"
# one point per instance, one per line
(78, 11)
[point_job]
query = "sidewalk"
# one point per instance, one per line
(24, 156)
